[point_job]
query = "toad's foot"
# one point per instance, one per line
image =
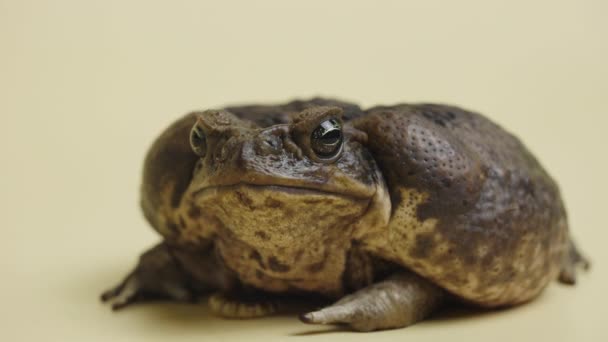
(234, 306)
(573, 259)
(156, 275)
(398, 301)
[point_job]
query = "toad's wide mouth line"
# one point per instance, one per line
(291, 190)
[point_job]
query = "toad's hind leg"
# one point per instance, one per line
(398, 301)
(573, 259)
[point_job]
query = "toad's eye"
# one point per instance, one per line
(198, 142)
(326, 140)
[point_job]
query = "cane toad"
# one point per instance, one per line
(390, 211)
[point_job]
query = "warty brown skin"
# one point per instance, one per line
(423, 202)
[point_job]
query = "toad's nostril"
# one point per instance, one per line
(271, 143)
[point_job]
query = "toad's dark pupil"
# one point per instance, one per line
(198, 141)
(326, 140)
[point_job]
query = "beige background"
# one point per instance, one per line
(86, 86)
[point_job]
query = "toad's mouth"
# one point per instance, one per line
(258, 214)
(282, 189)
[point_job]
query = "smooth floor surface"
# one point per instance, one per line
(85, 87)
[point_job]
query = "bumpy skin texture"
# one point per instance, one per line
(422, 203)
(491, 227)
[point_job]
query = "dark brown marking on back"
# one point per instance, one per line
(262, 235)
(424, 246)
(316, 267)
(173, 227)
(255, 255)
(272, 203)
(194, 212)
(276, 266)
(299, 255)
(244, 199)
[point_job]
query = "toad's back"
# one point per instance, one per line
(473, 210)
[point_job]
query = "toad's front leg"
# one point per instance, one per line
(398, 301)
(161, 273)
